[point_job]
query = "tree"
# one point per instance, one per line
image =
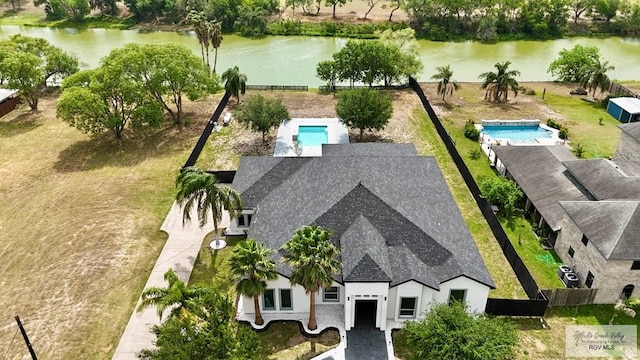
(215, 35)
(166, 72)
(27, 64)
(199, 22)
(262, 114)
(176, 297)
(607, 8)
(450, 332)
(334, 3)
(314, 260)
(326, 71)
(446, 85)
(234, 82)
(364, 109)
(251, 267)
(595, 76)
(501, 191)
(396, 5)
(107, 98)
(371, 4)
(569, 65)
(200, 188)
(499, 83)
(580, 6)
(208, 333)
(252, 21)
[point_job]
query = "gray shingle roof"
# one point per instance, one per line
(605, 179)
(400, 205)
(632, 129)
(369, 149)
(612, 226)
(540, 172)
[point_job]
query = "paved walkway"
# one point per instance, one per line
(179, 253)
(366, 343)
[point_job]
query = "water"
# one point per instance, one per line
(280, 60)
(516, 134)
(312, 135)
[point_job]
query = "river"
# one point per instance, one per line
(292, 60)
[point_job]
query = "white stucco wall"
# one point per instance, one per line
(366, 291)
(299, 299)
(476, 297)
(234, 229)
(423, 294)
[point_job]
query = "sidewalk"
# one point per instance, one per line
(179, 253)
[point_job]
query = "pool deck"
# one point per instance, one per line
(337, 133)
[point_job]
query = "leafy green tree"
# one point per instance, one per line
(176, 297)
(262, 114)
(501, 191)
(396, 4)
(407, 63)
(208, 333)
(364, 109)
(167, 72)
(200, 188)
(500, 82)
(446, 85)
(235, 82)
(27, 64)
(333, 4)
(252, 21)
(314, 260)
(155, 10)
(607, 8)
(251, 267)
(326, 71)
(594, 76)
(107, 98)
(65, 9)
(578, 7)
(569, 65)
(106, 7)
(450, 332)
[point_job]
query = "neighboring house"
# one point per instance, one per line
(624, 109)
(9, 99)
(403, 242)
(591, 208)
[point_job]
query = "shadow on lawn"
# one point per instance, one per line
(21, 124)
(104, 150)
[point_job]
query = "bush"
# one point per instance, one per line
(470, 131)
(475, 154)
(552, 123)
(563, 133)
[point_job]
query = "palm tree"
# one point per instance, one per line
(199, 22)
(201, 188)
(177, 296)
(235, 82)
(499, 83)
(215, 35)
(594, 76)
(314, 260)
(446, 85)
(251, 266)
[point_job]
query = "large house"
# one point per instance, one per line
(590, 208)
(403, 243)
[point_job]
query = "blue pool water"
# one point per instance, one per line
(516, 134)
(312, 135)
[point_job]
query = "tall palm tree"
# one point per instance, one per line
(177, 296)
(314, 260)
(215, 36)
(199, 22)
(446, 85)
(201, 188)
(595, 76)
(235, 82)
(499, 83)
(251, 266)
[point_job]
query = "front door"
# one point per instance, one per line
(366, 311)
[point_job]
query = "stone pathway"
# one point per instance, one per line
(366, 343)
(179, 253)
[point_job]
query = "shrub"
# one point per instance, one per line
(475, 154)
(552, 123)
(563, 133)
(578, 150)
(470, 131)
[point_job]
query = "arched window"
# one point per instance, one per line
(627, 291)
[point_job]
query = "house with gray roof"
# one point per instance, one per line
(590, 208)
(403, 242)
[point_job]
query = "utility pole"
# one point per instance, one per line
(26, 339)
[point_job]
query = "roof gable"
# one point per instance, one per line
(362, 240)
(605, 180)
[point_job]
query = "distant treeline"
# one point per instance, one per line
(488, 20)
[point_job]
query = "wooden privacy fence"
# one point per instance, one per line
(569, 297)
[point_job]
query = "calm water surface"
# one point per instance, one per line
(292, 60)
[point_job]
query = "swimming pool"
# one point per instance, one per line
(516, 134)
(312, 135)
